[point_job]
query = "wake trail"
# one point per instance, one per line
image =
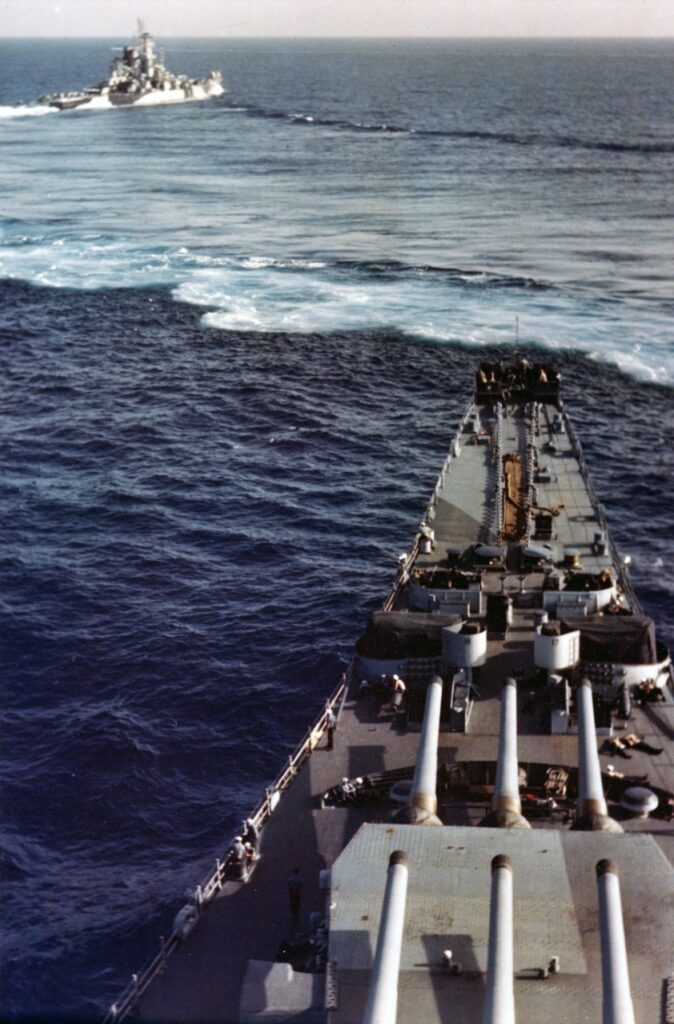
(461, 134)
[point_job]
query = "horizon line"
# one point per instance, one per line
(372, 38)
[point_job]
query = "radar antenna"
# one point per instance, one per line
(141, 26)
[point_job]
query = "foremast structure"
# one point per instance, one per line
(491, 840)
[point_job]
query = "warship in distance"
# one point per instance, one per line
(478, 825)
(139, 78)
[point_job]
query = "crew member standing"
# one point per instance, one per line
(239, 859)
(331, 723)
(398, 689)
(251, 834)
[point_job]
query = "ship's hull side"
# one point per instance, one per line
(195, 91)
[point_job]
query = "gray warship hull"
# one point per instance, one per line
(532, 740)
(138, 78)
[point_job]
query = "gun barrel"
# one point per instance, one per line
(506, 806)
(617, 1005)
(592, 809)
(382, 1000)
(423, 802)
(499, 1003)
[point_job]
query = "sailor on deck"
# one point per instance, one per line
(398, 690)
(239, 859)
(331, 726)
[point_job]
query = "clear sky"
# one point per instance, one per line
(297, 18)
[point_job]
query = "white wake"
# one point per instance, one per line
(26, 110)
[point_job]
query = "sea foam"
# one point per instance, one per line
(26, 110)
(318, 296)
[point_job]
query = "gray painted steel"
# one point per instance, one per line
(499, 1000)
(592, 808)
(423, 800)
(617, 999)
(555, 914)
(382, 999)
(506, 805)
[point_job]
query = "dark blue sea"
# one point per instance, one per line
(236, 339)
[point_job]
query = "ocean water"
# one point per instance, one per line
(237, 337)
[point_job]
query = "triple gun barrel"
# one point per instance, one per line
(506, 812)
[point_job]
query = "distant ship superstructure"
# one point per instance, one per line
(139, 78)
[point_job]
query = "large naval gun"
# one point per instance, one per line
(478, 826)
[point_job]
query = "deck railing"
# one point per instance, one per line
(403, 573)
(212, 885)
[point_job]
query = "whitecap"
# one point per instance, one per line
(309, 295)
(258, 262)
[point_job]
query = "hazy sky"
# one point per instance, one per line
(338, 17)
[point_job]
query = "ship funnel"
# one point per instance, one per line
(499, 1002)
(592, 810)
(506, 807)
(422, 806)
(382, 999)
(616, 996)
